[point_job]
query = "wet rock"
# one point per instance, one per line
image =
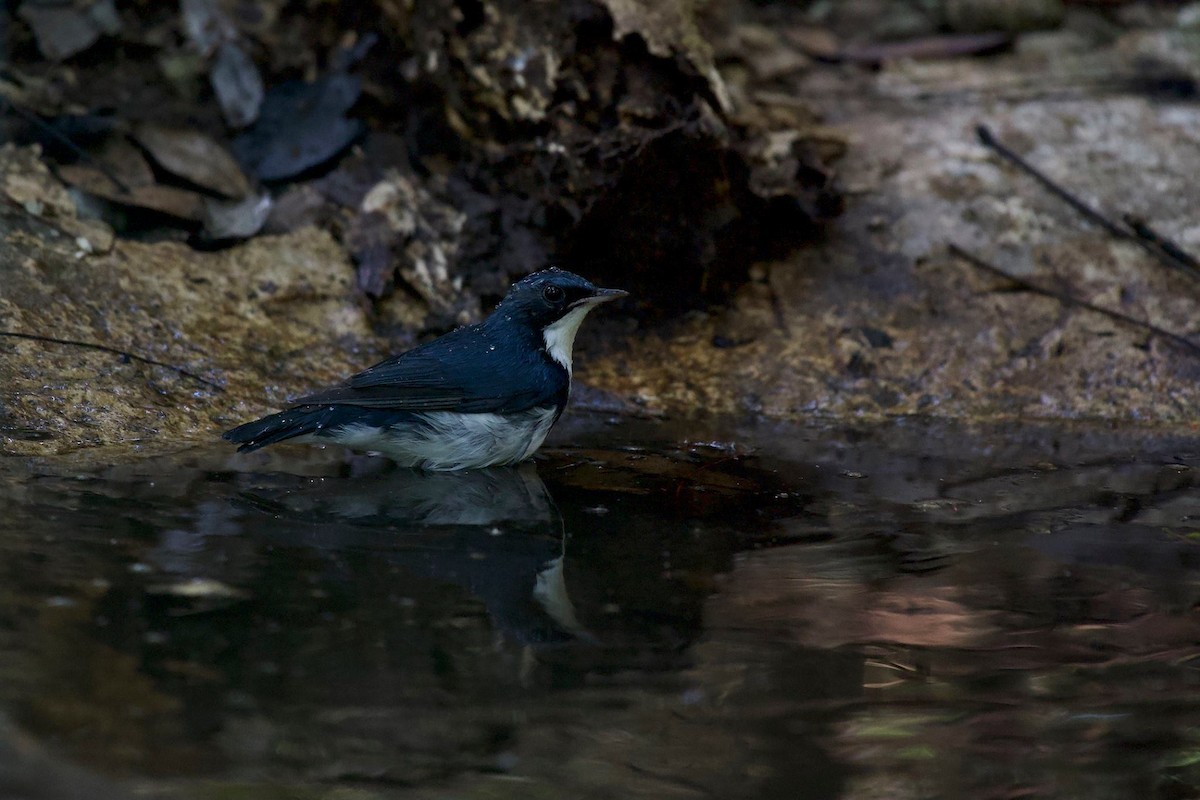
(28, 184)
(962, 342)
(262, 321)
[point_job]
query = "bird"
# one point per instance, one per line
(480, 396)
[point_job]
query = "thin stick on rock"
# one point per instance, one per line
(989, 140)
(1070, 300)
(33, 337)
(1152, 237)
(65, 141)
(1162, 249)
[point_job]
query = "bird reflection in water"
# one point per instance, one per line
(494, 532)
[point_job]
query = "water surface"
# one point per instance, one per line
(900, 610)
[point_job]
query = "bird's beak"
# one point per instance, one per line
(602, 296)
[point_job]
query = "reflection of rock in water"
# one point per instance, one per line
(494, 532)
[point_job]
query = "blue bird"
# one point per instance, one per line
(480, 396)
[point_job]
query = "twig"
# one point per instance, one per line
(65, 141)
(1160, 248)
(33, 337)
(1070, 300)
(1168, 246)
(989, 140)
(922, 48)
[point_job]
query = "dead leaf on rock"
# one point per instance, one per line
(195, 157)
(238, 219)
(124, 163)
(206, 24)
(65, 29)
(125, 177)
(297, 207)
(237, 84)
(169, 200)
(371, 240)
(407, 229)
(301, 126)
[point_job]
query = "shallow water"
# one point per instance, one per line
(907, 610)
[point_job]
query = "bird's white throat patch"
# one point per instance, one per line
(560, 337)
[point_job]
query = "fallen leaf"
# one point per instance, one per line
(237, 84)
(195, 157)
(63, 30)
(239, 219)
(168, 200)
(301, 126)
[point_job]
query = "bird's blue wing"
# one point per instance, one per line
(463, 371)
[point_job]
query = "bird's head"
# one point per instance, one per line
(555, 302)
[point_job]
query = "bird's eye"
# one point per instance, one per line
(553, 294)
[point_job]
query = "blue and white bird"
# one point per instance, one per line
(480, 396)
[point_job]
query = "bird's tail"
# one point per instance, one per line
(278, 427)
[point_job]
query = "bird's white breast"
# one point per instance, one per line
(448, 440)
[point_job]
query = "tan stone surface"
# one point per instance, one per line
(265, 320)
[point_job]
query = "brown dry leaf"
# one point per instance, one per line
(195, 157)
(164, 199)
(125, 162)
